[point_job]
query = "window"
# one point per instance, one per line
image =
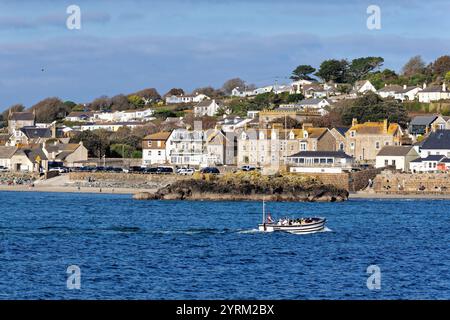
(352, 145)
(377, 145)
(341, 146)
(149, 143)
(159, 152)
(149, 153)
(303, 146)
(352, 134)
(386, 163)
(159, 143)
(393, 162)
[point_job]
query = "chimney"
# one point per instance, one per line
(385, 125)
(354, 122)
(424, 85)
(404, 87)
(444, 87)
(54, 131)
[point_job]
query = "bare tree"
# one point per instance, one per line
(414, 66)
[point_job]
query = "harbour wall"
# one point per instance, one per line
(417, 183)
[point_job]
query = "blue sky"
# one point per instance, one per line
(125, 46)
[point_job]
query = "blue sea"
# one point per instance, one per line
(127, 249)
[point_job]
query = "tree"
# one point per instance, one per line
(379, 79)
(174, 92)
(96, 141)
(361, 67)
(208, 91)
(441, 66)
(415, 65)
(50, 109)
(102, 103)
(136, 101)
(149, 94)
(302, 72)
(447, 77)
(120, 103)
(229, 85)
(371, 107)
(333, 70)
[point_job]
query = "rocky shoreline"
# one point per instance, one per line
(248, 187)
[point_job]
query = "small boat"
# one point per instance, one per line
(297, 226)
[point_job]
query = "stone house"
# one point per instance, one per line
(365, 140)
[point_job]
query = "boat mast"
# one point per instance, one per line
(264, 212)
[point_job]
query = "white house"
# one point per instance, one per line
(319, 162)
(186, 147)
(437, 143)
(407, 93)
(433, 93)
(154, 148)
(362, 87)
(242, 92)
(397, 156)
(427, 164)
(174, 99)
(207, 108)
(296, 86)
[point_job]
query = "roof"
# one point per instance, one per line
(433, 157)
(398, 151)
(77, 114)
(162, 135)
(433, 89)
(391, 88)
(407, 89)
(321, 154)
(341, 130)
(423, 120)
(440, 139)
(32, 154)
(207, 103)
(7, 152)
(61, 147)
(315, 132)
(35, 132)
(310, 101)
(22, 116)
(374, 128)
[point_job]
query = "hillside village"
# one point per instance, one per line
(305, 126)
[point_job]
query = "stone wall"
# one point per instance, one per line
(17, 178)
(394, 182)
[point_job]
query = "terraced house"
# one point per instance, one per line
(365, 140)
(271, 147)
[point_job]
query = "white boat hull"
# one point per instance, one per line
(315, 226)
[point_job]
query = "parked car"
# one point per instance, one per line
(248, 168)
(164, 170)
(186, 171)
(3, 169)
(136, 169)
(59, 169)
(212, 170)
(153, 170)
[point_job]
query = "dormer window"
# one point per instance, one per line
(352, 133)
(305, 134)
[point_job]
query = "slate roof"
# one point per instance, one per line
(321, 154)
(440, 139)
(22, 116)
(423, 120)
(342, 130)
(35, 132)
(7, 152)
(396, 151)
